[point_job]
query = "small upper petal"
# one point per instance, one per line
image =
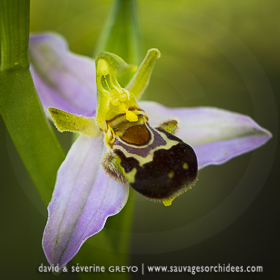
(83, 198)
(63, 80)
(216, 135)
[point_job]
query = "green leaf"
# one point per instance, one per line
(19, 104)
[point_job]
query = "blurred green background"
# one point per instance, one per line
(214, 53)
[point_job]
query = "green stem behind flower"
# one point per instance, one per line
(19, 104)
(14, 33)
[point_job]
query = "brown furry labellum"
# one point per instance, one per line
(152, 161)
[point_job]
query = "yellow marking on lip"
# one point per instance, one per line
(131, 175)
(171, 174)
(168, 202)
(185, 166)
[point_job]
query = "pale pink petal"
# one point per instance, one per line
(62, 79)
(84, 197)
(216, 135)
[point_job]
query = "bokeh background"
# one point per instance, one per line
(214, 53)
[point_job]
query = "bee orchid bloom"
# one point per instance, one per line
(124, 142)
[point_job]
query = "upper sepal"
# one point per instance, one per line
(63, 80)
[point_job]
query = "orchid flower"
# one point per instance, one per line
(93, 181)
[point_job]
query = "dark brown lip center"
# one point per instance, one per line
(137, 135)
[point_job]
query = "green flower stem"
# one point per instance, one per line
(19, 104)
(14, 33)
